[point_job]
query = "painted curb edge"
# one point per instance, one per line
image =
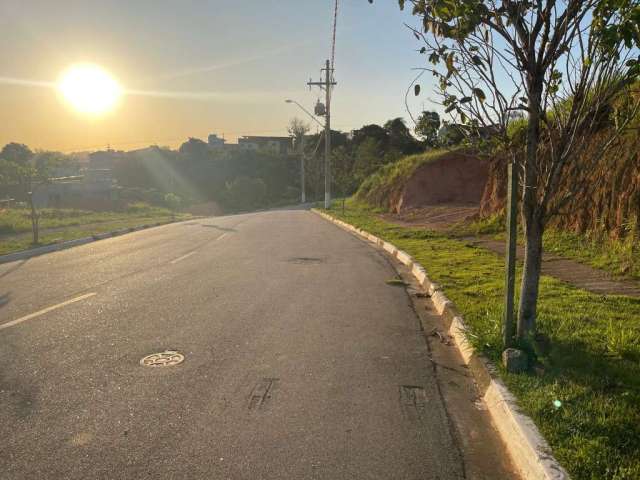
(529, 451)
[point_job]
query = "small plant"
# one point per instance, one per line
(173, 202)
(622, 342)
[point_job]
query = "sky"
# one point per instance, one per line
(195, 67)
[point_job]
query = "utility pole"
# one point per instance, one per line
(326, 85)
(510, 263)
(302, 180)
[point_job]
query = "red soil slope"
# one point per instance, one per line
(455, 178)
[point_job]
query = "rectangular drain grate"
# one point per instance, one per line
(413, 400)
(261, 393)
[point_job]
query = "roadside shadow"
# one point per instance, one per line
(14, 268)
(21, 391)
(5, 298)
(222, 229)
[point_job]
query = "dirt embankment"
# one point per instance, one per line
(454, 178)
(599, 193)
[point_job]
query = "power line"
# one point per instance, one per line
(333, 45)
(333, 38)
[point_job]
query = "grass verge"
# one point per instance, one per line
(63, 225)
(592, 369)
(620, 257)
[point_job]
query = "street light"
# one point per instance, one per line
(311, 115)
(303, 193)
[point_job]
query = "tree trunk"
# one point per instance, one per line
(34, 220)
(532, 217)
(527, 310)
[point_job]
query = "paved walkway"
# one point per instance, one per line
(578, 274)
(443, 217)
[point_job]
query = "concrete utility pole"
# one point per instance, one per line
(301, 148)
(302, 180)
(327, 140)
(510, 261)
(326, 84)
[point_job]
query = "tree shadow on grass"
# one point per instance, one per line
(598, 416)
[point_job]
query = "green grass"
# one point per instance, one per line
(593, 368)
(618, 256)
(59, 225)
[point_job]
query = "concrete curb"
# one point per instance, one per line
(527, 448)
(55, 247)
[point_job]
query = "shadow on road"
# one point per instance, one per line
(14, 268)
(223, 229)
(4, 298)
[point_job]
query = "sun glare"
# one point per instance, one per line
(89, 89)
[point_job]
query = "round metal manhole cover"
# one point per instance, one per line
(162, 359)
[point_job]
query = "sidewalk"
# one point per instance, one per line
(442, 217)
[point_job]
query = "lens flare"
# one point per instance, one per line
(89, 89)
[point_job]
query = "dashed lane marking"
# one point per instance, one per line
(46, 310)
(179, 259)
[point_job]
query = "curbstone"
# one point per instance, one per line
(389, 248)
(419, 273)
(404, 257)
(440, 301)
(527, 448)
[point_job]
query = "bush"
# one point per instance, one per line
(172, 201)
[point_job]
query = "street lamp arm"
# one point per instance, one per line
(312, 116)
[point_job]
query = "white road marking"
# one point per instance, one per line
(46, 310)
(179, 259)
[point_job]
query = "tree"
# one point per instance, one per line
(17, 153)
(344, 179)
(568, 65)
(17, 167)
(400, 138)
(245, 192)
(195, 148)
(373, 131)
(298, 129)
(173, 202)
(427, 127)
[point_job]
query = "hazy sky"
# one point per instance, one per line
(249, 55)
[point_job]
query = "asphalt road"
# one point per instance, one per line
(301, 362)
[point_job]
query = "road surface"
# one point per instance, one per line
(300, 361)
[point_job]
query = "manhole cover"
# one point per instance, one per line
(162, 359)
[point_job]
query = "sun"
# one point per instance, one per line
(89, 89)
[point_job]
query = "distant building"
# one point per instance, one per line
(90, 188)
(95, 190)
(215, 141)
(103, 160)
(277, 145)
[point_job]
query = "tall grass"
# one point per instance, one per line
(17, 220)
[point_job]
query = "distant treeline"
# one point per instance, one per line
(233, 178)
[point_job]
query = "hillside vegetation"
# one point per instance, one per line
(383, 186)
